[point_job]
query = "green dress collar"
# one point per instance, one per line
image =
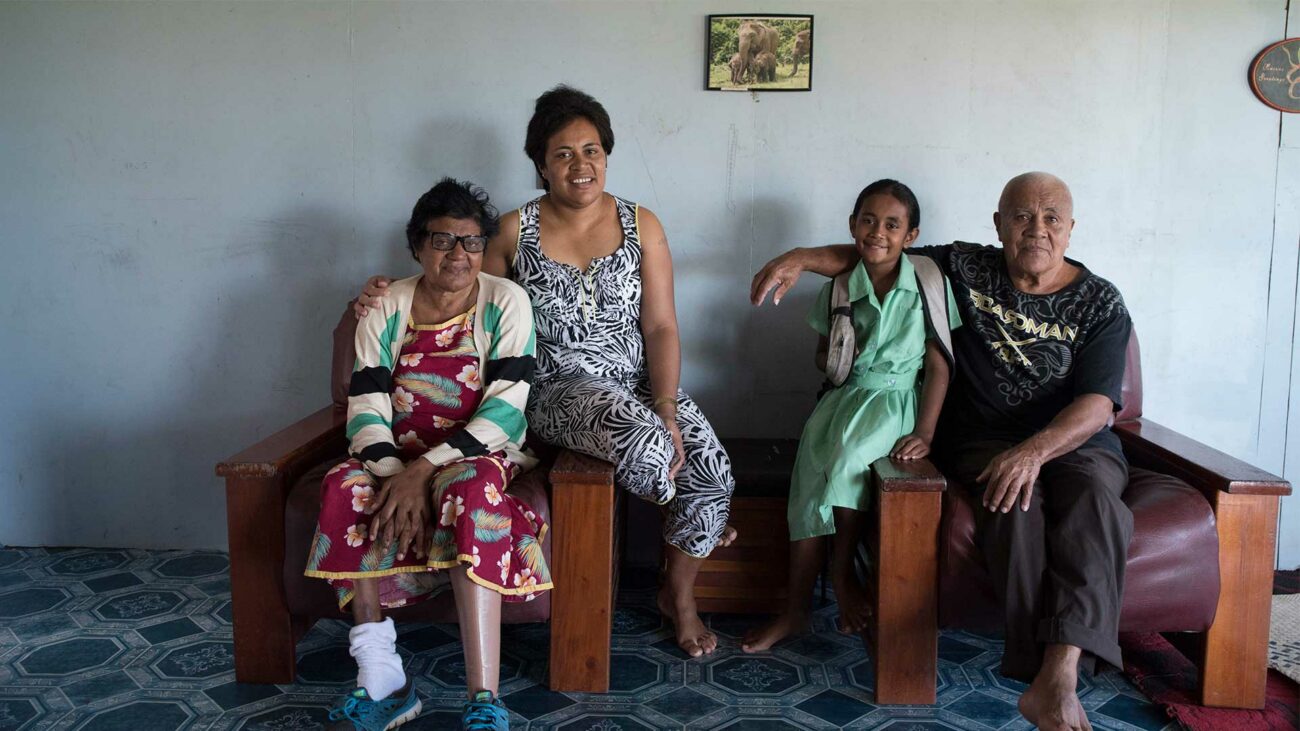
(860, 282)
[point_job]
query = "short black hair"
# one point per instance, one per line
(556, 108)
(456, 199)
(900, 192)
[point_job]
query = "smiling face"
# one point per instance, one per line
(1034, 221)
(455, 270)
(881, 229)
(575, 163)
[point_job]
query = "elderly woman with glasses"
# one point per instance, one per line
(436, 425)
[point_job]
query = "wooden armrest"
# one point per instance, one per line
(1159, 448)
(917, 475)
(574, 468)
(584, 565)
(276, 454)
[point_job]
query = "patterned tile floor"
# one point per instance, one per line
(131, 639)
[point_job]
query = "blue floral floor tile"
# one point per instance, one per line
(101, 686)
(106, 639)
(1133, 711)
(986, 709)
(141, 714)
(234, 695)
(684, 705)
(835, 707)
(174, 629)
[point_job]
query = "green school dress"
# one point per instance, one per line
(860, 421)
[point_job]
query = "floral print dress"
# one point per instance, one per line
(476, 522)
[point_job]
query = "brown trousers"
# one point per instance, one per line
(1059, 566)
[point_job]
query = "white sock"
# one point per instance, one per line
(379, 667)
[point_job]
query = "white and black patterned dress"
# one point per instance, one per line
(592, 390)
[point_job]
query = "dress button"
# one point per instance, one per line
(891, 381)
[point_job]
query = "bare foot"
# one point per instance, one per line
(764, 636)
(728, 537)
(852, 600)
(692, 636)
(1052, 705)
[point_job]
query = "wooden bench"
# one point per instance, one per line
(273, 604)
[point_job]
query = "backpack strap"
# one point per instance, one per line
(843, 350)
(934, 297)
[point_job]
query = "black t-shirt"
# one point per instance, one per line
(1022, 358)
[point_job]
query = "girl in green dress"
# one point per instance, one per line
(877, 411)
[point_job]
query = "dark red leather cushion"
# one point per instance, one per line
(345, 357)
(1131, 392)
(1172, 579)
(315, 597)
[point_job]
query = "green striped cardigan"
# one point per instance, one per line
(504, 338)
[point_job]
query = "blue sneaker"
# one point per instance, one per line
(485, 713)
(356, 712)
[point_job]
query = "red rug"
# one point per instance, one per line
(1286, 582)
(1169, 679)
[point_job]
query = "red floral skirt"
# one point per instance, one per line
(475, 521)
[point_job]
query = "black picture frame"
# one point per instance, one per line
(722, 40)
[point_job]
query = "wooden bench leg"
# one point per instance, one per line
(265, 632)
(582, 557)
(907, 597)
(1234, 670)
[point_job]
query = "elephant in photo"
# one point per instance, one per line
(802, 45)
(765, 67)
(755, 37)
(737, 69)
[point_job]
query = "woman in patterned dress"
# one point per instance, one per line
(599, 273)
(436, 428)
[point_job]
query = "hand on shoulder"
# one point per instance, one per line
(375, 288)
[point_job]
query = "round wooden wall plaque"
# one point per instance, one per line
(1275, 75)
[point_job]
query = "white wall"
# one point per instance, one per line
(1282, 343)
(192, 190)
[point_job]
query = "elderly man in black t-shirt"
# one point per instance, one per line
(1040, 364)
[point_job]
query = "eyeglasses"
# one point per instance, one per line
(443, 241)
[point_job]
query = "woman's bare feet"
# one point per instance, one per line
(764, 636)
(1051, 702)
(692, 636)
(729, 536)
(855, 611)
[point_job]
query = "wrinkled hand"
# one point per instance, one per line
(912, 446)
(669, 418)
(1010, 476)
(781, 273)
(376, 287)
(402, 510)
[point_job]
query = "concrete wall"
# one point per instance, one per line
(193, 189)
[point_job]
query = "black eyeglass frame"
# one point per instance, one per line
(462, 240)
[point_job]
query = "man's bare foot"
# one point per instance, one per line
(729, 535)
(692, 636)
(782, 626)
(852, 600)
(1051, 704)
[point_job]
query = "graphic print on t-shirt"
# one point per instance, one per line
(1028, 331)
(1022, 358)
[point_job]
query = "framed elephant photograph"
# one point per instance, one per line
(759, 53)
